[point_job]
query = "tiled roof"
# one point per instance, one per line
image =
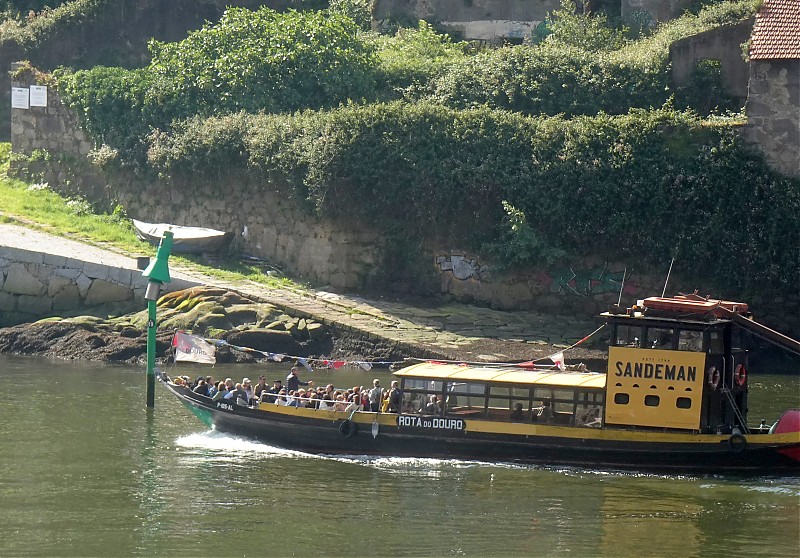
(777, 31)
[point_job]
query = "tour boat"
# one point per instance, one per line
(673, 398)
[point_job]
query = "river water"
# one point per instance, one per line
(87, 471)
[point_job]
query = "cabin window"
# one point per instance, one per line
(652, 400)
(683, 403)
(499, 397)
(715, 343)
(622, 398)
(660, 338)
(736, 340)
(628, 336)
(417, 394)
(464, 395)
(689, 340)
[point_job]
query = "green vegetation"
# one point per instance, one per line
(28, 31)
(574, 145)
(646, 186)
(38, 206)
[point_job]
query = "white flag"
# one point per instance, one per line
(558, 360)
(189, 348)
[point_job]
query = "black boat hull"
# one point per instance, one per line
(324, 432)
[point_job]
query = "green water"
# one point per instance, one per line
(86, 471)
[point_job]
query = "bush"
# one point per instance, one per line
(583, 67)
(264, 60)
(644, 186)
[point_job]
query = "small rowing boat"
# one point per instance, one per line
(186, 240)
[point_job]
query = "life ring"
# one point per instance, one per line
(737, 443)
(348, 428)
(740, 376)
(713, 377)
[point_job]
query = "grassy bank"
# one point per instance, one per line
(36, 206)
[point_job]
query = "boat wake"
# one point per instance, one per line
(233, 446)
(216, 445)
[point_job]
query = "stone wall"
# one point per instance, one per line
(646, 13)
(773, 112)
(723, 44)
(266, 222)
(36, 285)
(474, 19)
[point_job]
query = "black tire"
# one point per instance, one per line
(348, 428)
(737, 443)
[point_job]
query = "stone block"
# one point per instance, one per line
(69, 272)
(95, 270)
(20, 281)
(57, 284)
(120, 275)
(67, 298)
(55, 261)
(102, 291)
(83, 283)
(22, 256)
(36, 305)
(8, 302)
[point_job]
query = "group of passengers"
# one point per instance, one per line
(328, 398)
(298, 393)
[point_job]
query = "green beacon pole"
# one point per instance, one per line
(158, 274)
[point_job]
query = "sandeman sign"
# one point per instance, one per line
(653, 387)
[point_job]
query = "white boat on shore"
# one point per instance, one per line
(185, 240)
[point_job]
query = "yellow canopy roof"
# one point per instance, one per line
(503, 375)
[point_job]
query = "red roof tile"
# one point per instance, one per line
(776, 33)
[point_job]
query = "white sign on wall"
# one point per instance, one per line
(38, 96)
(19, 98)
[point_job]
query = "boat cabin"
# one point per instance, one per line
(678, 369)
(506, 394)
(671, 370)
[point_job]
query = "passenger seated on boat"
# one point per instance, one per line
(248, 389)
(223, 389)
(280, 399)
(353, 405)
(260, 387)
(340, 405)
(517, 414)
(238, 395)
(212, 386)
(220, 393)
(201, 388)
(545, 412)
(272, 394)
(590, 418)
(326, 403)
(433, 407)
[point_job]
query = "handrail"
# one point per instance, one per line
(762, 331)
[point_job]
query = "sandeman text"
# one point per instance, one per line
(656, 371)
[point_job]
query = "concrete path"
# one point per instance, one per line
(448, 330)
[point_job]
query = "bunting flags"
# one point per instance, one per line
(190, 348)
(193, 348)
(197, 349)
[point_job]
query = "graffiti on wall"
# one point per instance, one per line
(585, 282)
(462, 267)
